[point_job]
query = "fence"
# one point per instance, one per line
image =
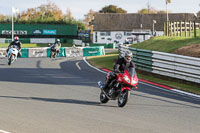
(171, 65)
(181, 28)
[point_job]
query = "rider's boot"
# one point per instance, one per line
(105, 87)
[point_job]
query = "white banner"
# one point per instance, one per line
(42, 40)
(3, 52)
(73, 52)
(37, 52)
(2, 40)
(77, 42)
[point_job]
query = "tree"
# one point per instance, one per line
(162, 12)
(198, 15)
(150, 10)
(112, 9)
(88, 18)
(2, 17)
(45, 14)
(69, 15)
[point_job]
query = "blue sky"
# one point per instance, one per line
(81, 7)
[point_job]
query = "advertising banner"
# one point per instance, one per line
(61, 53)
(49, 32)
(93, 51)
(3, 52)
(73, 52)
(37, 32)
(24, 52)
(2, 40)
(42, 40)
(37, 52)
(16, 32)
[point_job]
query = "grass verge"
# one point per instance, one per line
(167, 44)
(108, 61)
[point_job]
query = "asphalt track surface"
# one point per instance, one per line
(42, 95)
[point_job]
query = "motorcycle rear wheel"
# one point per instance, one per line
(54, 56)
(103, 98)
(123, 98)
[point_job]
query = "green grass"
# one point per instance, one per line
(167, 44)
(104, 61)
(108, 61)
(30, 45)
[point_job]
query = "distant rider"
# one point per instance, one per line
(17, 43)
(56, 46)
(119, 67)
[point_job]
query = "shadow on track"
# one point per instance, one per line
(3, 64)
(69, 74)
(71, 101)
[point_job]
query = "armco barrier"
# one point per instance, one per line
(176, 66)
(61, 53)
(64, 52)
(25, 53)
(93, 51)
(142, 58)
(37, 52)
(171, 65)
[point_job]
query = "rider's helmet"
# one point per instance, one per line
(16, 39)
(128, 56)
(57, 40)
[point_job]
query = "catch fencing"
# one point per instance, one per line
(171, 65)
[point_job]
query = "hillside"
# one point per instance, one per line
(180, 45)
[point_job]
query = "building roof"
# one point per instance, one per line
(130, 21)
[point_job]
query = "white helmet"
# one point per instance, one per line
(57, 40)
(128, 56)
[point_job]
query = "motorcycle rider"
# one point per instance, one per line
(119, 67)
(17, 43)
(56, 46)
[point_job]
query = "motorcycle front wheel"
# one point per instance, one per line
(10, 60)
(103, 98)
(123, 98)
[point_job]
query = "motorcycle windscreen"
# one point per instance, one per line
(15, 46)
(131, 72)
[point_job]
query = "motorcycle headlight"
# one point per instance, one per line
(134, 82)
(127, 79)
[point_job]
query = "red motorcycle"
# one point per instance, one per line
(120, 87)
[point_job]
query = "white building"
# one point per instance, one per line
(121, 36)
(132, 27)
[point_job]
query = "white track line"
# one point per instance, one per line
(93, 66)
(174, 90)
(2, 131)
(186, 93)
(77, 64)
